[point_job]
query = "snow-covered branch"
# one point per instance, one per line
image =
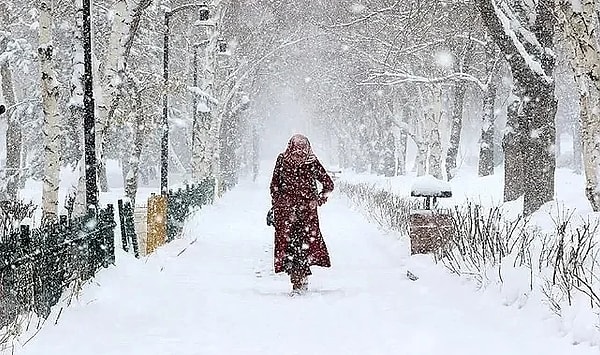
(366, 17)
(394, 78)
(506, 23)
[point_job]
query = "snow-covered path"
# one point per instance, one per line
(219, 296)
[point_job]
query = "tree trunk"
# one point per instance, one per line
(255, 155)
(540, 159)
(77, 109)
(50, 96)
(577, 146)
(457, 112)
(140, 133)
(435, 144)
(79, 206)
(401, 143)
(228, 138)
(435, 155)
(486, 145)
(460, 89)
(125, 27)
(110, 83)
(513, 147)
(201, 158)
(533, 77)
(540, 110)
(13, 129)
(421, 159)
(13, 135)
(123, 31)
(579, 28)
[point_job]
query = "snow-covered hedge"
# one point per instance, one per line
(559, 268)
(387, 209)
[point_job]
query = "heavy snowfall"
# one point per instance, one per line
(143, 143)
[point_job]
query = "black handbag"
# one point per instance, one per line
(270, 218)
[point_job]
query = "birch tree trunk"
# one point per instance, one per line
(579, 26)
(110, 83)
(457, 111)
(77, 107)
(435, 144)
(401, 143)
(50, 96)
(201, 152)
(13, 135)
(13, 129)
(421, 129)
(590, 138)
(206, 150)
(140, 132)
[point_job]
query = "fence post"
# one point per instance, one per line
(25, 279)
(172, 214)
(129, 227)
(89, 247)
(123, 228)
(108, 231)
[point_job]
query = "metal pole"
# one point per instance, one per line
(89, 122)
(164, 146)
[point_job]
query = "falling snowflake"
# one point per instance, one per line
(444, 59)
(357, 8)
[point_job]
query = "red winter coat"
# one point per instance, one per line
(294, 195)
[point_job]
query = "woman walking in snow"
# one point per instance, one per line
(295, 198)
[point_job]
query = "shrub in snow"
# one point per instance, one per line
(559, 267)
(12, 215)
(387, 209)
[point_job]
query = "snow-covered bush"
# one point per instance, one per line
(494, 248)
(387, 209)
(12, 214)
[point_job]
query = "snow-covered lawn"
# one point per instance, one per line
(213, 292)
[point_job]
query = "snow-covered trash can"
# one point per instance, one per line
(430, 227)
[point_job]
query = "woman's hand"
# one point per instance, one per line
(321, 199)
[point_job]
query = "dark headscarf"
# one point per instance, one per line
(298, 151)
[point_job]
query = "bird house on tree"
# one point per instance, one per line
(203, 13)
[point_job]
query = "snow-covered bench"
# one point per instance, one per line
(430, 228)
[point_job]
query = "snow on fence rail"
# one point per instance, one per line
(558, 268)
(147, 225)
(37, 265)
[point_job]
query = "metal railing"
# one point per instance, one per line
(37, 265)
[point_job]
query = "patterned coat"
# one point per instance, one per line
(295, 199)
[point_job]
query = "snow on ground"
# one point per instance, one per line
(213, 292)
